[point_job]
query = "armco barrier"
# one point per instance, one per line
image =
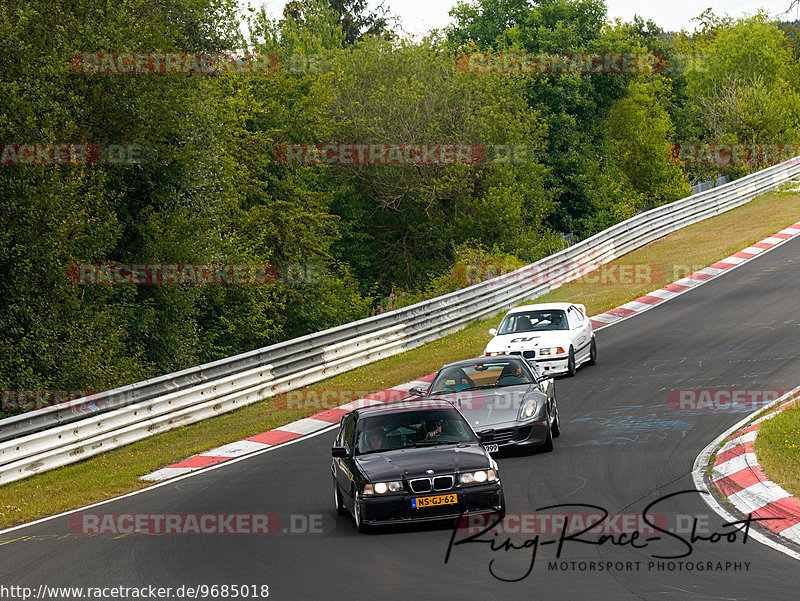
(54, 436)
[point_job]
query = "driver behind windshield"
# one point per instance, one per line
(513, 374)
(433, 428)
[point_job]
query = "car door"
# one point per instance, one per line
(579, 331)
(346, 465)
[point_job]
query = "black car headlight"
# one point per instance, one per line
(381, 488)
(479, 477)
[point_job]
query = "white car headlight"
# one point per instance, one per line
(478, 477)
(553, 350)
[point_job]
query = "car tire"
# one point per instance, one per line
(592, 353)
(556, 427)
(360, 525)
(571, 367)
(337, 499)
(547, 445)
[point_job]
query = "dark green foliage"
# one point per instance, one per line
(210, 189)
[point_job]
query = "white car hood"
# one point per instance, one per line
(522, 341)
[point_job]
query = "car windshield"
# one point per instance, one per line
(480, 375)
(533, 321)
(405, 429)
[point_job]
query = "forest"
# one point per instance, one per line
(168, 151)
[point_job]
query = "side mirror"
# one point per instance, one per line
(416, 391)
(493, 332)
(486, 436)
(338, 452)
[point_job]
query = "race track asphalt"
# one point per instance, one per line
(622, 448)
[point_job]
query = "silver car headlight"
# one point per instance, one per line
(528, 409)
(479, 477)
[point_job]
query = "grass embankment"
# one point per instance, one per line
(118, 471)
(778, 448)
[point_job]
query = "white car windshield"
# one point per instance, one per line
(534, 321)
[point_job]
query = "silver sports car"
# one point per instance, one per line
(506, 400)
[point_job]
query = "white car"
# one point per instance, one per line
(558, 336)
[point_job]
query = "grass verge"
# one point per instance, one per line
(778, 448)
(117, 472)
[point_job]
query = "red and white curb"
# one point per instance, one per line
(328, 418)
(738, 476)
(651, 299)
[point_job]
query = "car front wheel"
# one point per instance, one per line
(571, 368)
(592, 353)
(337, 499)
(359, 519)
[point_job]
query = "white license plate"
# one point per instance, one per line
(492, 448)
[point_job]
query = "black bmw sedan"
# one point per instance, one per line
(411, 461)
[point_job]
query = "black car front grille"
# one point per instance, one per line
(443, 482)
(526, 354)
(438, 483)
(421, 485)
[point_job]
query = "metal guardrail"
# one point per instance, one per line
(54, 436)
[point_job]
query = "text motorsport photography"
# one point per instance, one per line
(667, 542)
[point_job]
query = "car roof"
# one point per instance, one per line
(541, 307)
(412, 405)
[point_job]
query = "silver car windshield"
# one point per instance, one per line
(534, 321)
(481, 375)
